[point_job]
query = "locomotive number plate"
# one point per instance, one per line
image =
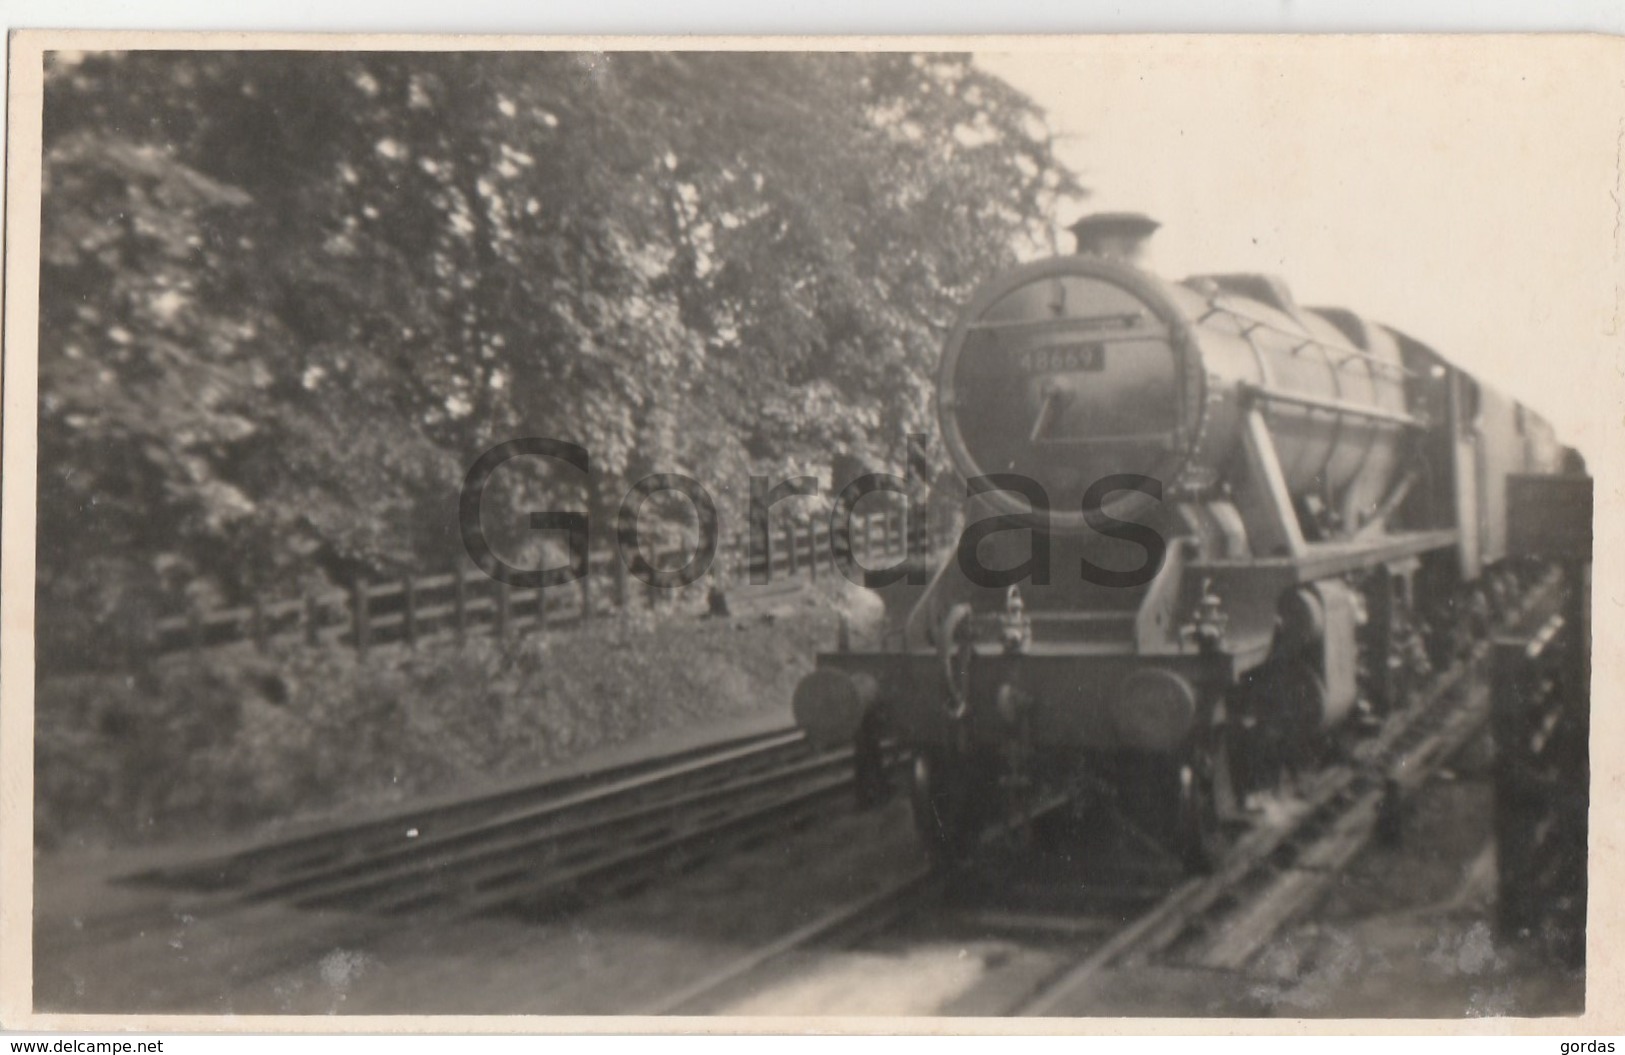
(1064, 358)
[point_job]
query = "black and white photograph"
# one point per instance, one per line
(836, 532)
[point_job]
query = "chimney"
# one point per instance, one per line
(1114, 235)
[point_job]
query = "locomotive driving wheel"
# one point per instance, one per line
(1209, 806)
(956, 650)
(1186, 802)
(953, 792)
(953, 800)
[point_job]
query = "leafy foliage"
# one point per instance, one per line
(230, 740)
(287, 298)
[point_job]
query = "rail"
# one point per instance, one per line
(537, 849)
(1274, 875)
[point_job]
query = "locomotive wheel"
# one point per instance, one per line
(871, 781)
(1187, 803)
(1449, 638)
(955, 653)
(952, 803)
(1208, 804)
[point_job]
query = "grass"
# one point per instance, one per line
(232, 740)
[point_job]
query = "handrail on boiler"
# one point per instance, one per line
(1335, 406)
(1305, 340)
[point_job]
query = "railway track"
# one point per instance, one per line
(1058, 929)
(1060, 934)
(540, 847)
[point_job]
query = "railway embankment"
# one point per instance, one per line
(232, 742)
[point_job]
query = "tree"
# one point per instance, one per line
(289, 297)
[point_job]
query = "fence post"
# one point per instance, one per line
(313, 620)
(586, 593)
(256, 621)
(812, 551)
(620, 582)
(363, 622)
(459, 601)
(541, 612)
(501, 598)
(409, 611)
(790, 568)
(762, 531)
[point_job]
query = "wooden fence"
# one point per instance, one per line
(465, 601)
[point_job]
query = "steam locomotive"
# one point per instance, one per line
(1208, 533)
